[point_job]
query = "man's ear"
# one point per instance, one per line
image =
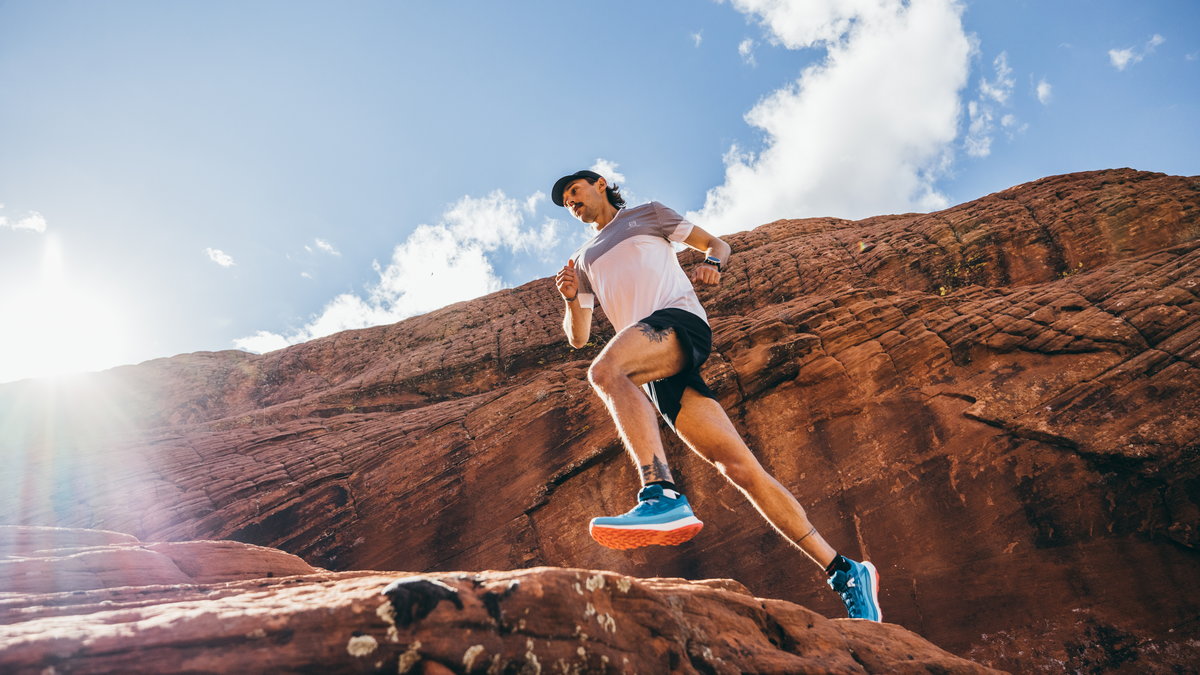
(601, 183)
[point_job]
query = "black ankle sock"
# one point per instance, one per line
(839, 564)
(666, 484)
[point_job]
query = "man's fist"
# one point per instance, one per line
(706, 274)
(567, 281)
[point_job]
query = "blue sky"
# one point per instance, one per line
(200, 176)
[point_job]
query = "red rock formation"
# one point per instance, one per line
(997, 403)
(539, 620)
(52, 559)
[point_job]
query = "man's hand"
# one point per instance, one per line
(706, 274)
(709, 245)
(577, 319)
(567, 281)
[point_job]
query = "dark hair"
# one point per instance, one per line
(613, 192)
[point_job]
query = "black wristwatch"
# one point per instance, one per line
(714, 261)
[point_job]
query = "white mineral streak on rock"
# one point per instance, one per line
(362, 645)
(471, 654)
(388, 614)
(531, 662)
(410, 658)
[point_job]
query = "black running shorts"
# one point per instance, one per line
(696, 339)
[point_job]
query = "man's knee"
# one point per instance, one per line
(603, 374)
(743, 472)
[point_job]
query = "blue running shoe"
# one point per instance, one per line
(859, 589)
(658, 519)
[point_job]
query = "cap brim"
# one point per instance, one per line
(559, 186)
(556, 194)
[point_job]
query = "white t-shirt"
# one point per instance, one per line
(632, 268)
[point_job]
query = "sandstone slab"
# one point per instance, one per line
(523, 621)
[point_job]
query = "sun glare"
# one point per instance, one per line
(54, 326)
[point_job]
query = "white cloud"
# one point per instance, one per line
(1044, 91)
(1192, 57)
(982, 112)
(697, 38)
(261, 342)
(608, 170)
(746, 51)
(1001, 88)
(435, 266)
(32, 222)
(978, 141)
(220, 257)
(1123, 58)
(1012, 126)
(35, 222)
(326, 247)
(489, 221)
(866, 131)
(532, 202)
(797, 25)
(306, 275)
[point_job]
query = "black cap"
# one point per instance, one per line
(562, 183)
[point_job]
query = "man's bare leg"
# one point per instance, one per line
(704, 426)
(637, 355)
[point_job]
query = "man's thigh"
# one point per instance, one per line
(643, 353)
(706, 428)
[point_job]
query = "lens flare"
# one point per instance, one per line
(54, 326)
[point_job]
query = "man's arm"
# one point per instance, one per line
(709, 245)
(577, 323)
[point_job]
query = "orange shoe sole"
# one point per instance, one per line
(624, 539)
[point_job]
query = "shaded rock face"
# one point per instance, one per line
(996, 403)
(540, 620)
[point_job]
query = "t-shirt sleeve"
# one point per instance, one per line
(671, 225)
(587, 298)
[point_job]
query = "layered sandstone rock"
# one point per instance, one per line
(527, 621)
(39, 560)
(997, 403)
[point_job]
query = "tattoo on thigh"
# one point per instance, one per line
(656, 470)
(654, 334)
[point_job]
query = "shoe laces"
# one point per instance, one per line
(848, 590)
(645, 505)
(648, 500)
(650, 493)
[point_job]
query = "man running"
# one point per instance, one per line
(662, 339)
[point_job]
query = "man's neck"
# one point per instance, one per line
(605, 217)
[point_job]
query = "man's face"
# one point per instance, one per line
(585, 200)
